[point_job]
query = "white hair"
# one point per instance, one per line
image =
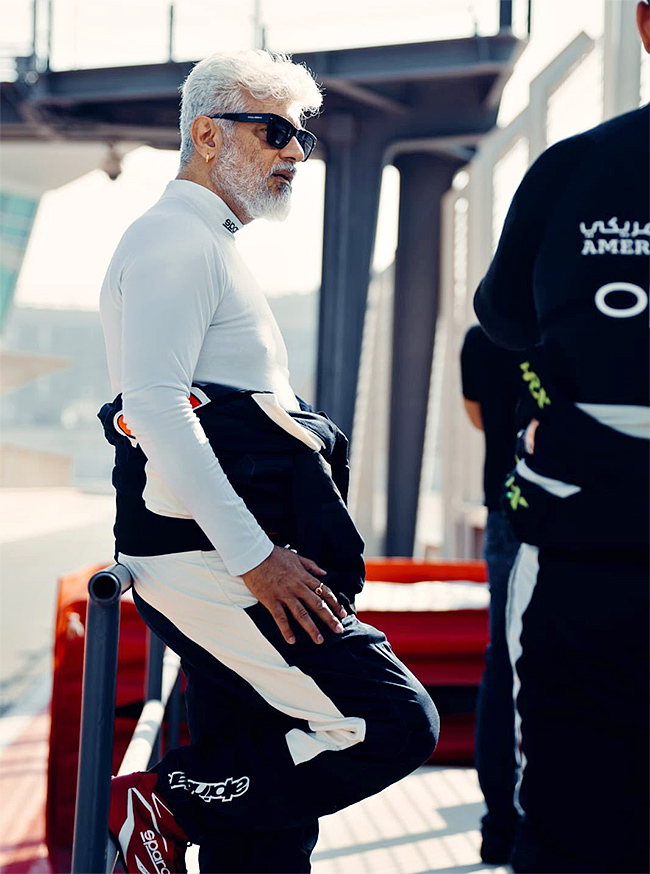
(225, 81)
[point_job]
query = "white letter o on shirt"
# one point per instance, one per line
(627, 312)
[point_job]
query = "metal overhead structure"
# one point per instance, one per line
(423, 107)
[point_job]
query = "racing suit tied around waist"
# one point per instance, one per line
(561, 494)
(296, 492)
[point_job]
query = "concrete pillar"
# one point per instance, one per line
(424, 180)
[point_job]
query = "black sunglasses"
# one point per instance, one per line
(279, 130)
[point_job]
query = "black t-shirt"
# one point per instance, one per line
(571, 269)
(492, 377)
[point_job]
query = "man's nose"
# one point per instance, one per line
(293, 151)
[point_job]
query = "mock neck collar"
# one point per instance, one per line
(211, 207)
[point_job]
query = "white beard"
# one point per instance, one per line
(247, 187)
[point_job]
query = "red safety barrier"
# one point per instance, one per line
(445, 649)
(408, 570)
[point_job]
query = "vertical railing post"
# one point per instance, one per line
(175, 702)
(50, 19)
(35, 10)
(170, 34)
(505, 16)
(155, 653)
(97, 719)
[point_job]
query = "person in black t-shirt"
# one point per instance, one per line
(491, 387)
(571, 274)
(490, 382)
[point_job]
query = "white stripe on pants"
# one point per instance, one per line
(521, 586)
(207, 604)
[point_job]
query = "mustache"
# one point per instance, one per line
(283, 167)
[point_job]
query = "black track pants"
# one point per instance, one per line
(578, 636)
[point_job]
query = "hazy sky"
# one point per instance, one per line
(79, 224)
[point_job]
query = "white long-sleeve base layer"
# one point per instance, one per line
(178, 305)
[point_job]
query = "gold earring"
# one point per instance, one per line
(207, 159)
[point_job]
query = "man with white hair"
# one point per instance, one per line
(230, 512)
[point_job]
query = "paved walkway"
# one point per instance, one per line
(427, 822)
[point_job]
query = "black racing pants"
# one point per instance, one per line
(238, 791)
(578, 636)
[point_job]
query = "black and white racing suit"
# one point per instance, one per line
(281, 734)
(571, 275)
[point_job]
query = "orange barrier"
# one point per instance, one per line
(445, 649)
(407, 570)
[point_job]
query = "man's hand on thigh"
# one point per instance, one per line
(285, 581)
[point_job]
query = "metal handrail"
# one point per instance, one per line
(92, 853)
(146, 735)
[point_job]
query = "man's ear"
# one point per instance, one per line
(643, 23)
(207, 137)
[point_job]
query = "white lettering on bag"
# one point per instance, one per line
(628, 312)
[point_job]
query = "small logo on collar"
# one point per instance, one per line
(229, 225)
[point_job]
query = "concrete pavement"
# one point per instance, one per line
(44, 534)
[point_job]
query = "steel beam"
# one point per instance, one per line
(365, 96)
(424, 180)
(373, 65)
(398, 63)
